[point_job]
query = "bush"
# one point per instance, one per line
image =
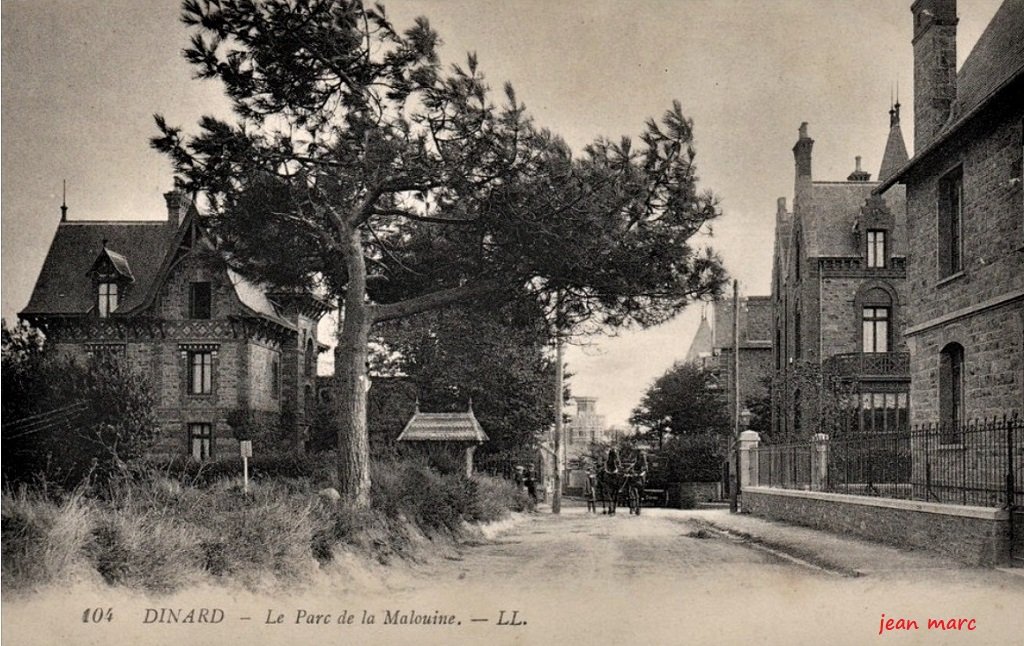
(147, 550)
(68, 421)
(160, 533)
(271, 466)
(44, 541)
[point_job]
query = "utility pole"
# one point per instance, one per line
(556, 495)
(733, 499)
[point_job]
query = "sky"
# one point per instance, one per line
(81, 80)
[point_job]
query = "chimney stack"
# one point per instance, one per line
(802, 157)
(178, 204)
(858, 175)
(934, 67)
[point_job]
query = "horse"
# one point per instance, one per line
(609, 487)
(633, 485)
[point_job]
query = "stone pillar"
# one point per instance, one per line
(819, 462)
(749, 440)
(470, 450)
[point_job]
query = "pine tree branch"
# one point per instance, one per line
(433, 300)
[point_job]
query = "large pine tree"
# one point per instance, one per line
(358, 165)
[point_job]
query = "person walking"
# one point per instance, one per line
(531, 485)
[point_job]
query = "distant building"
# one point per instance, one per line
(211, 342)
(965, 210)
(584, 428)
(755, 349)
(838, 299)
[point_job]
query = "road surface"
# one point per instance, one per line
(577, 578)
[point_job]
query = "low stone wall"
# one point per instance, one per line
(973, 535)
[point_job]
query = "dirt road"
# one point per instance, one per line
(573, 579)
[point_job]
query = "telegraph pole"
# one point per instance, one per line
(734, 500)
(556, 495)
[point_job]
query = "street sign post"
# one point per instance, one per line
(245, 446)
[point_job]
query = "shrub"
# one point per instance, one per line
(272, 466)
(269, 531)
(72, 420)
(145, 550)
(44, 541)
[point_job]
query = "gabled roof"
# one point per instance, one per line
(119, 263)
(64, 285)
(443, 427)
(994, 62)
(829, 218)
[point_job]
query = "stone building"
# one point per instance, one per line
(755, 349)
(584, 428)
(211, 342)
(838, 300)
(965, 212)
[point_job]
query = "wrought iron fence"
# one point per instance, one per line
(978, 463)
(785, 465)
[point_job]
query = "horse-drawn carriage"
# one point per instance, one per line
(609, 487)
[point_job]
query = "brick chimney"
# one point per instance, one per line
(802, 157)
(178, 204)
(934, 67)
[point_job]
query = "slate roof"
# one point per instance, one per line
(64, 286)
(443, 427)
(828, 221)
(701, 346)
(895, 154)
(996, 60)
(997, 57)
(120, 263)
(255, 298)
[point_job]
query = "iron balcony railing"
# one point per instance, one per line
(869, 364)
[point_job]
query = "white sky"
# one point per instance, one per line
(81, 80)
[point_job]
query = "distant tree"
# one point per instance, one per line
(357, 165)
(66, 421)
(760, 407)
(685, 401)
(493, 357)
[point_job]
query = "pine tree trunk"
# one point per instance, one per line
(352, 381)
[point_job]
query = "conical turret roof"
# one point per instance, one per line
(703, 342)
(895, 155)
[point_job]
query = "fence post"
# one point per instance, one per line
(748, 467)
(819, 468)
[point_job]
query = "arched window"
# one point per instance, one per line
(876, 315)
(951, 391)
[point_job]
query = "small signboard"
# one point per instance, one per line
(246, 448)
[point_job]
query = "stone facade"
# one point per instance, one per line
(838, 298)
(260, 351)
(976, 304)
(972, 535)
(755, 349)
